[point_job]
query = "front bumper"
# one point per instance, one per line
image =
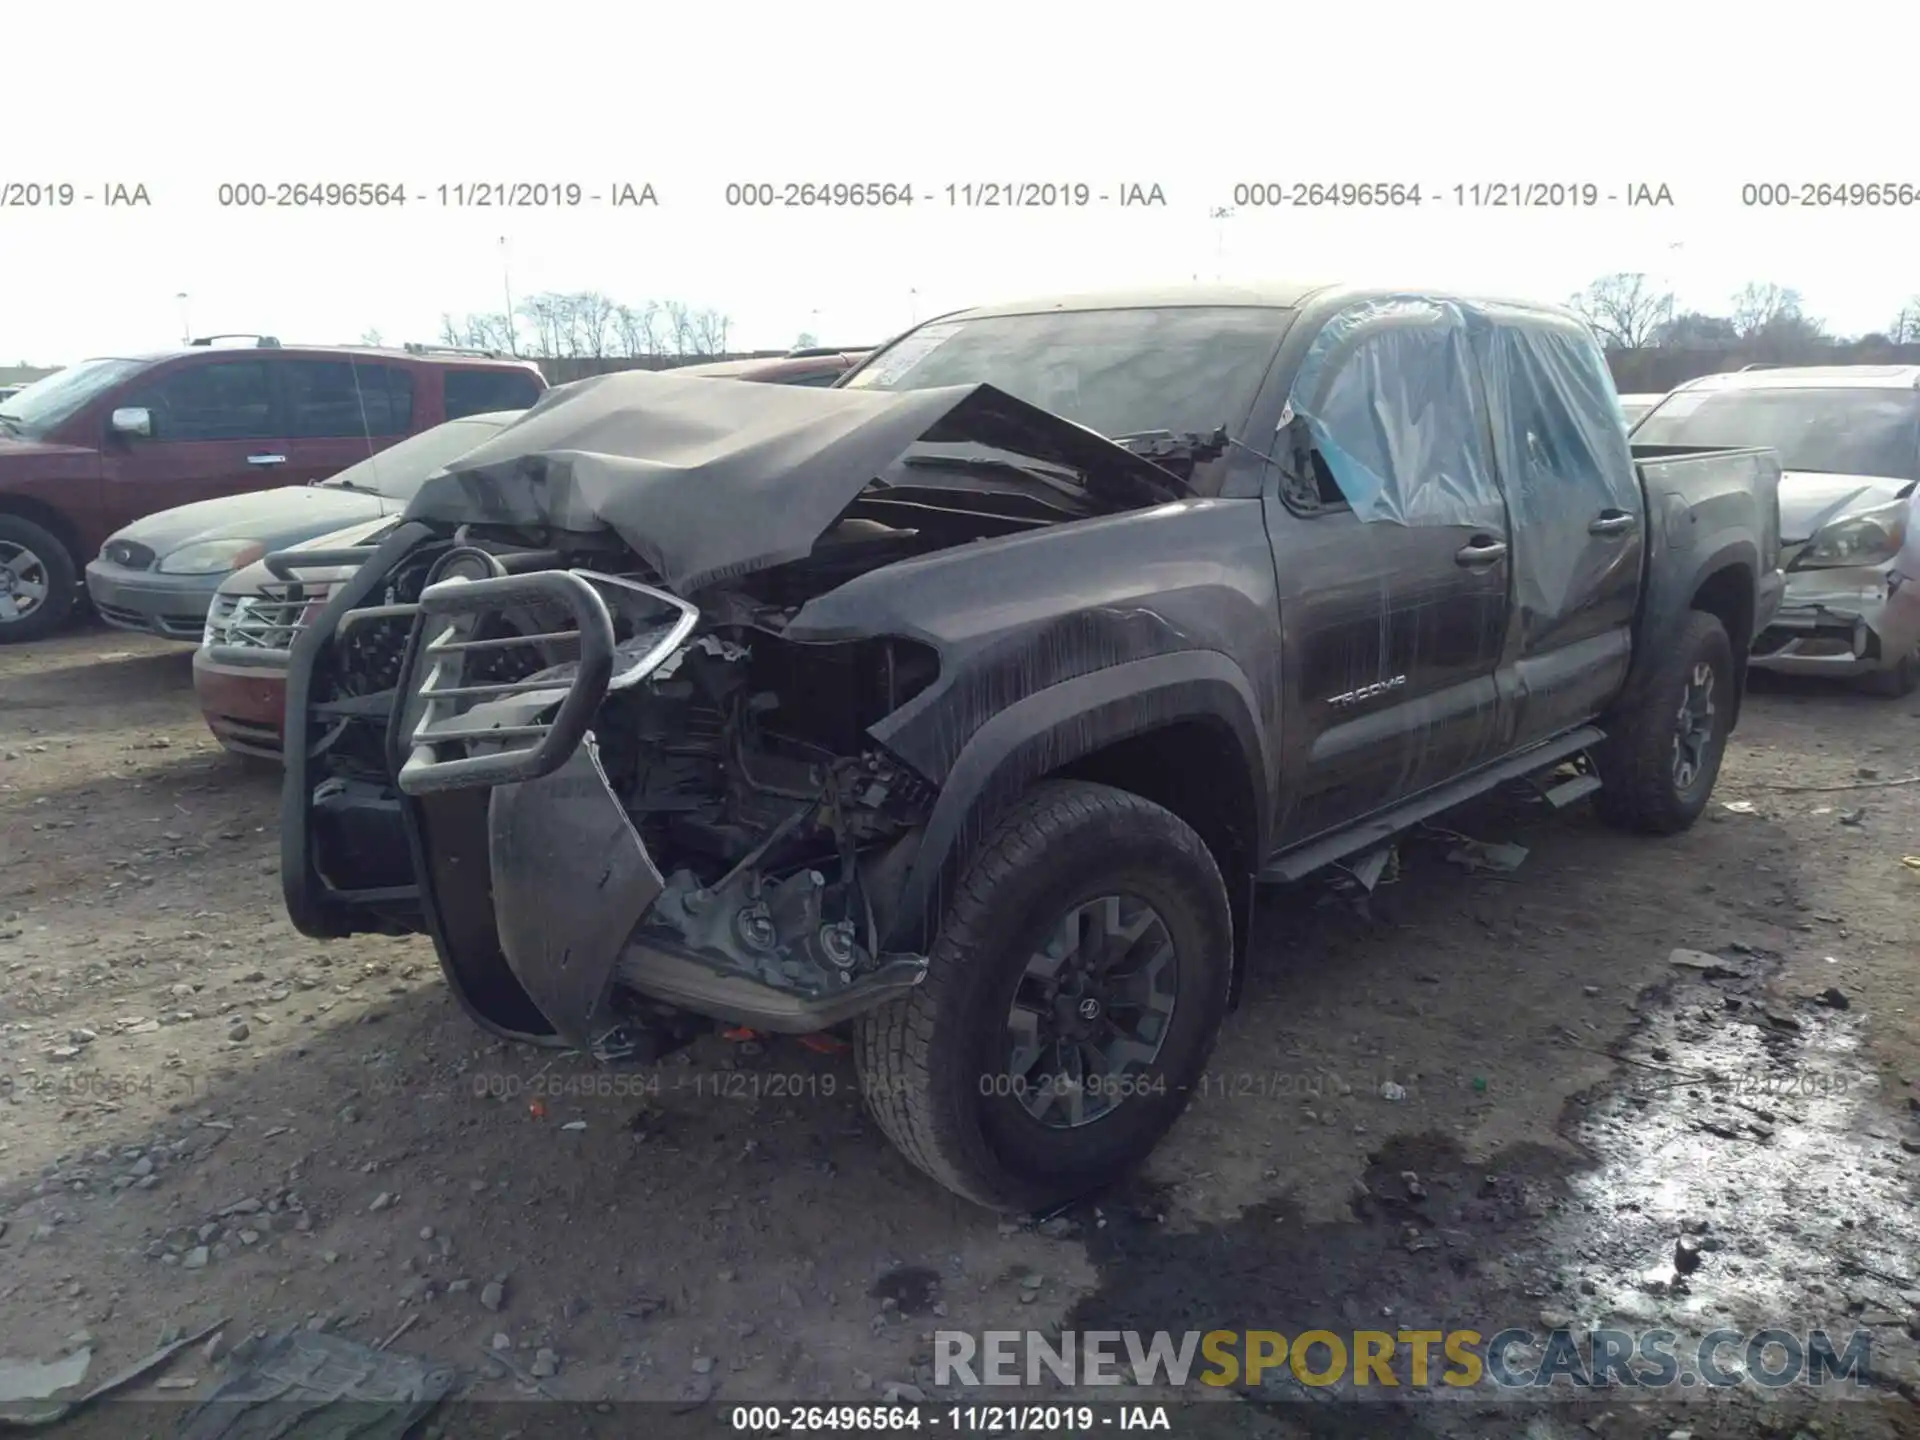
(174, 606)
(524, 866)
(243, 697)
(1829, 623)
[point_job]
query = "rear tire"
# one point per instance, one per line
(1665, 745)
(1896, 682)
(39, 594)
(941, 1068)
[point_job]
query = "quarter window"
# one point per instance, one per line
(475, 392)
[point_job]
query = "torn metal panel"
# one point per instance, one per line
(707, 482)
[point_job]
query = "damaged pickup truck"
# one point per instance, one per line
(966, 703)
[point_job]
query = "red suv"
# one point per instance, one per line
(96, 446)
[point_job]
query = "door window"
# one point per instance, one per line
(1563, 456)
(338, 398)
(219, 400)
(1390, 406)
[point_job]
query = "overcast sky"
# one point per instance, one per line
(1194, 98)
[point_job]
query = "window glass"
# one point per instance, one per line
(1860, 431)
(218, 400)
(1120, 372)
(34, 409)
(1389, 397)
(338, 398)
(474, 392)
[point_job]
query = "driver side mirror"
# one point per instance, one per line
(132, 420)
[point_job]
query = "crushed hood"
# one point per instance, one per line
(1810, 500)
(707, 481)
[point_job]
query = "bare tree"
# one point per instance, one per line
(679, 321)
(806, 341)
(589, 325)
(371, 337)
(709, 329)
(638, 329)
(1696, 330)
(593, 328)
(550, 317)
(1626, 310)
(1759, 306)
(1905, 329)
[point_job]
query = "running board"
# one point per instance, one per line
(1318, 854)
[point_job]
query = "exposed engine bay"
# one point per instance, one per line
(780, 832)
(631, 793)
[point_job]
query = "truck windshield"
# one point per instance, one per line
(1858, 431)
(52, 398)
(1118, 372)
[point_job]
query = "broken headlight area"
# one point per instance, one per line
(690, 811)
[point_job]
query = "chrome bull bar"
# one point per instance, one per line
(460, 732)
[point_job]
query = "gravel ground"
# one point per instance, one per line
(1482, 1099)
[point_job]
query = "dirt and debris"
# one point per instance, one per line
(1618, 1078)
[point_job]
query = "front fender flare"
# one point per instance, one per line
(1051, 728)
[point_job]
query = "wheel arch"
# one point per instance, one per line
(38, 512)
(1181, 730)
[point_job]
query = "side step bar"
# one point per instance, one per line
(1318, 854)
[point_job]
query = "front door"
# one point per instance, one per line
(1563, 459)
(215, 433)
(1393, 566)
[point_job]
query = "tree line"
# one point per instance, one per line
(1629, 311)
(586, 324)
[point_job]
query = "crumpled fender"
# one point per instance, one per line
(1055, 726)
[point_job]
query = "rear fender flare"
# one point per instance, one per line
(1051, 728)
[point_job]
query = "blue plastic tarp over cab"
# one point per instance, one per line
(1443, 412)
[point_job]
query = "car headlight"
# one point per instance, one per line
(1866, 537)
(211, 557)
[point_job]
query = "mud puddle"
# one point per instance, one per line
(1742, 1172)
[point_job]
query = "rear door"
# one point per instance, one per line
(338, 413)
(1393, 564)
(216, 432)
(1564, 464)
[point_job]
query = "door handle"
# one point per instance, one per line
(1481, 552)
(266, 459)
(1613, 522)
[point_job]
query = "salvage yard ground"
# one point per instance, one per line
(1483, 1099)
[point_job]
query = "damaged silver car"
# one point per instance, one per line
(1848, 437)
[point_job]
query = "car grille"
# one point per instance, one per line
(269, 619)
(128, 554)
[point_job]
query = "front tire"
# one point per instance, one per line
(38, 583)
(1896, 681)
(1090, 933)
(1664, 748)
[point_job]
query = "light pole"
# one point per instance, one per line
(1220, 214)
(506, 284)
(186, 329)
